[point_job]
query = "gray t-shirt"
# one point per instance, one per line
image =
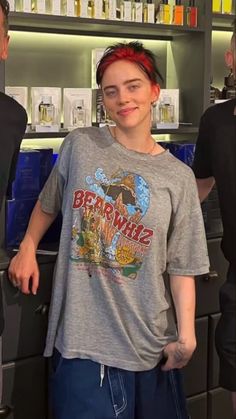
(127, 218)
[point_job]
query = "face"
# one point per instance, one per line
(128, 94)
(230, 56)
(4, 39)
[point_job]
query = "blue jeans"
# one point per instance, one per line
(78, 391)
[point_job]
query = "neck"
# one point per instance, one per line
(133, 139)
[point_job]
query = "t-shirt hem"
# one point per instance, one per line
(190, 272)
(108, 361)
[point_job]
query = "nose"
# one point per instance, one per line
(123, 96)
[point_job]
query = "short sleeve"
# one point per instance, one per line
(51, 196)
(52, 192)
(202, 165)
(187, 252)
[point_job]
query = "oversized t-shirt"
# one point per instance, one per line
(216, 156)
(127, 218)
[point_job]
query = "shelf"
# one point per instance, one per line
(32, 134)
(31, 22)
(63, 133)
(222, 22)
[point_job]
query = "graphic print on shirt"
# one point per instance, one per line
(108, 233)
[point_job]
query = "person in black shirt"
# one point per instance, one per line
(215, 163)
(13, 120)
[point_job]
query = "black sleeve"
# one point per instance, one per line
(202, 164)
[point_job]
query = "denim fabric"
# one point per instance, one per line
(79, 392)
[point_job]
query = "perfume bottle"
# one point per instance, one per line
(163, 13)
(192, 12)
(79, 114)
(137, 11)
(148, 12)
(216, 6)
(178, 13)
(215, 93)
(106, 9)
(227, 6)
(91, 8)
(229, 89)
(46, 111)
(166, 111)
(126, 10)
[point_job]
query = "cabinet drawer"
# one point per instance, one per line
(197, 366)
(25, 317)
(219, 404)
(197, 406)
(207, 286)
(25, 388)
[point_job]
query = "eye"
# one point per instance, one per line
(133, 87)
(110, 92)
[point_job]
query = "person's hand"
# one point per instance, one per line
(178, 354)
(23, 272)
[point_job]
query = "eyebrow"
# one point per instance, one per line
(126, 82)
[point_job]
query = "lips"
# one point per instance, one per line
(126, 111)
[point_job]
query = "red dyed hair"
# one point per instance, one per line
(133, 52)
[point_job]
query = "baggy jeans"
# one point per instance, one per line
(83, 389)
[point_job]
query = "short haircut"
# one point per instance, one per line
(134, 52)
(5, 9)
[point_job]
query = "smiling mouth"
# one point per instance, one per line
(128, 111)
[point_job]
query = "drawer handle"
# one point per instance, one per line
(212, 275)
(5, 411)
(42, 309)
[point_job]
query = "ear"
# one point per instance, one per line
(155, 92)
(4, 52)
(229, 59)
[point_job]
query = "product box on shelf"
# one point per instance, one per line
(27, 179)
(18, 215)
(19, 93)
(97, 54)
(46, 109)
(68, 7)
(45, 164)
(165, 113)
(182, 151)
(77, 108)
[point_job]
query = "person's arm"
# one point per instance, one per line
(204, 187)
(183, 292)
(23, 270)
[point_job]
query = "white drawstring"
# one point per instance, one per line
(102, 374)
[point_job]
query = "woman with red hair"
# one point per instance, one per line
(130, 213)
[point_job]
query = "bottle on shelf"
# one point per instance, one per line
(68, 8)
(164, 13)
(192, 14)
(227, 6)
(229, 89)
(46, 111)
(79, 114)
(216, 6)
(149, 12)
(137, 11)
(166, 111)
(91, 8)
(215, 93)
(178, 13)
(125, 10)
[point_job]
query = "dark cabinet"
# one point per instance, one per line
(24, 388)
(25, 317)
(195, 373)
(208, 286)
(197, 406)
(25, 370)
